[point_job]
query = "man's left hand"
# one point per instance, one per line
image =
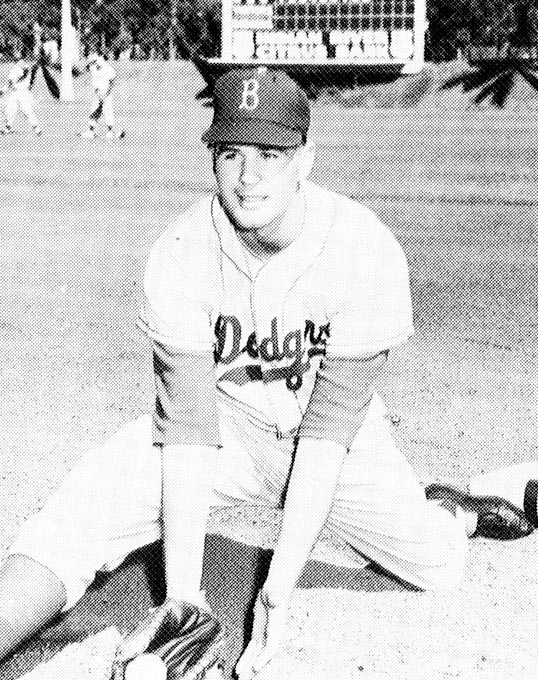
(267, 634)
(188, 639)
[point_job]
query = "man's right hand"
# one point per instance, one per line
(267, 634)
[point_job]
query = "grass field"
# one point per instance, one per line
(459, 189)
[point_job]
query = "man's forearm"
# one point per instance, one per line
(309, 498)
(187, 486)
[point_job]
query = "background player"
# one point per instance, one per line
(103, 77)
(19, 96)
(271, 307)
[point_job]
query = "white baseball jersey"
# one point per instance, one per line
(341, 289)
(20, 77)
(102, 74)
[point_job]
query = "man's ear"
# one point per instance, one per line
(308, 154)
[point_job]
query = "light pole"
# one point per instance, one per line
(67, 92)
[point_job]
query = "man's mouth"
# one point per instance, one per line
(250, 200)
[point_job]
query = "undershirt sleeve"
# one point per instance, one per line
(340, 398)
(186, 397)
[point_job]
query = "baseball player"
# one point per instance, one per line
(103, 77)
(271, 307)
(18, 95)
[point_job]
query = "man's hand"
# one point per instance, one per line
(267, 633)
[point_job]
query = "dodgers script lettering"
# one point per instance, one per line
(296, 344)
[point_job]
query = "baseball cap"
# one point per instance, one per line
(258, 106)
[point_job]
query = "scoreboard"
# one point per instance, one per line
(328, 32)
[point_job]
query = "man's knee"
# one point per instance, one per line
(30, 596)
(444, 564)
(437, 561)
(25, 577)
(447, 576)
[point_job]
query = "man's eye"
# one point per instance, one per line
(270, 155)
(228, 155)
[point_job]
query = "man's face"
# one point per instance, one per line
(257, 184)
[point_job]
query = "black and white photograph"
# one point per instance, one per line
(269, 339)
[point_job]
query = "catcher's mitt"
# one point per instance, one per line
(188, 639)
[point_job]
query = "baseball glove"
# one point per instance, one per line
(188, 639)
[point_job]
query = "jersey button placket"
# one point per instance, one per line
(254, 296)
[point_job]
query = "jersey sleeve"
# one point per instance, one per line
(371, 310)
(175, 310)
(186, 398)
(340, 398)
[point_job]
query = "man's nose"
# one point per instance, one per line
(250, 171)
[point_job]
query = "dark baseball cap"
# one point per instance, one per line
(258, 106)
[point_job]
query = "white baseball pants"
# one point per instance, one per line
(23, 100)
(110, 504)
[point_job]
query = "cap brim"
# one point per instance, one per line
(250, 131)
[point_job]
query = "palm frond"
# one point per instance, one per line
(471, 79)
(529, 76)
(503, 86)
(486, 91)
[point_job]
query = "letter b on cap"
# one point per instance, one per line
(250, 98)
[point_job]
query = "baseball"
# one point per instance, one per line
(214, 673)
(146, 667)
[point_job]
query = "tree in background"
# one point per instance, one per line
(161, 29)
(503, 54)
(456, 24)
(166, 29)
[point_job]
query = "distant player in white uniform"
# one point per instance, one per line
(271, 307)
(18, 95)
(103, 77)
